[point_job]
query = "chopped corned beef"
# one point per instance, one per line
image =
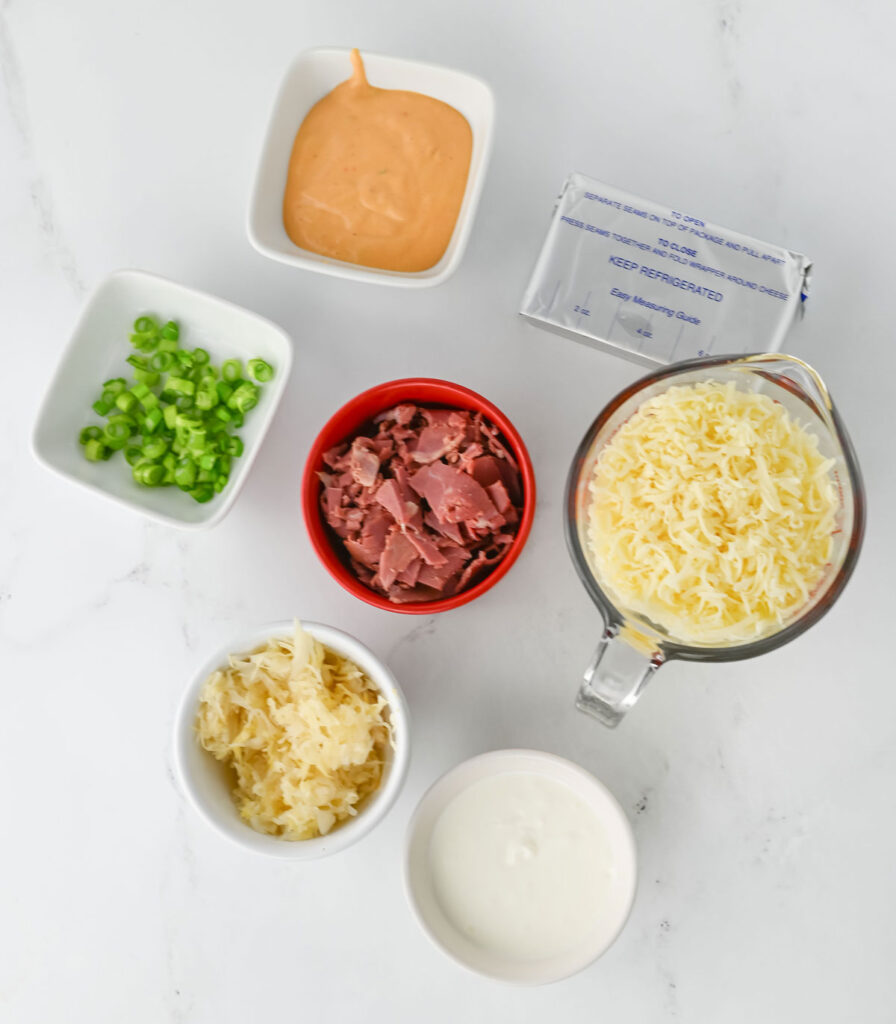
(398, 502)
(368, 548)
(500, 498)
(449, 530)
(436, 441)
(398, 554)
(455, 497)
(426, 501)
(364, 461)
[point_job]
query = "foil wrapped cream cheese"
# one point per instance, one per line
(657, 285)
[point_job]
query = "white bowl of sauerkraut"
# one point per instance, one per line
(292, 740)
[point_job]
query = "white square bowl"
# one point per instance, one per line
(97, 351)
(311, 76)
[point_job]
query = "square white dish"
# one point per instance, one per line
(97, 351)
(309, 78)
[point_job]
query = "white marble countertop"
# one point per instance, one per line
(761, 792)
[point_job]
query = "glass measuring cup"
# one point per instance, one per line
(633, 647)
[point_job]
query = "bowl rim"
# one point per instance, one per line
(237, 480)
(317, 529)
(306, 260)
(487, 765)
(350, 832)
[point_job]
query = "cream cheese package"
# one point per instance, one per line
(657, 285)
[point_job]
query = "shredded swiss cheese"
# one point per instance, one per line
(711, 513)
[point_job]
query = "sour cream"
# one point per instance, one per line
(522, 866)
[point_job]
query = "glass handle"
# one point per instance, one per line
(807, 378)
(615, 678)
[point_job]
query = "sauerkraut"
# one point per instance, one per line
(304, 730)
(712, 513)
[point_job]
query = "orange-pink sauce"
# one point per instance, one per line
(377, 176)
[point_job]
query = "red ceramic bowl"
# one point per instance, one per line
(345, 424)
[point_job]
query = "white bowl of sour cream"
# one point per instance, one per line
(520, 866)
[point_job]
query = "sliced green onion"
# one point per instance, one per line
(196, 443)
(126, 401)
(231, 370)
(162, 361)
(152, 419)
(185, 474)
(181, 385)
(116, 432)
(261, 370)
(94, 450)
(244, 398)
(118, 429)
(123, 417)
(206, 399)
(148, 473)
(143, 342)
(155, 448)
(202, 493)
(147, 377)
(184, 412)
(89, 434)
